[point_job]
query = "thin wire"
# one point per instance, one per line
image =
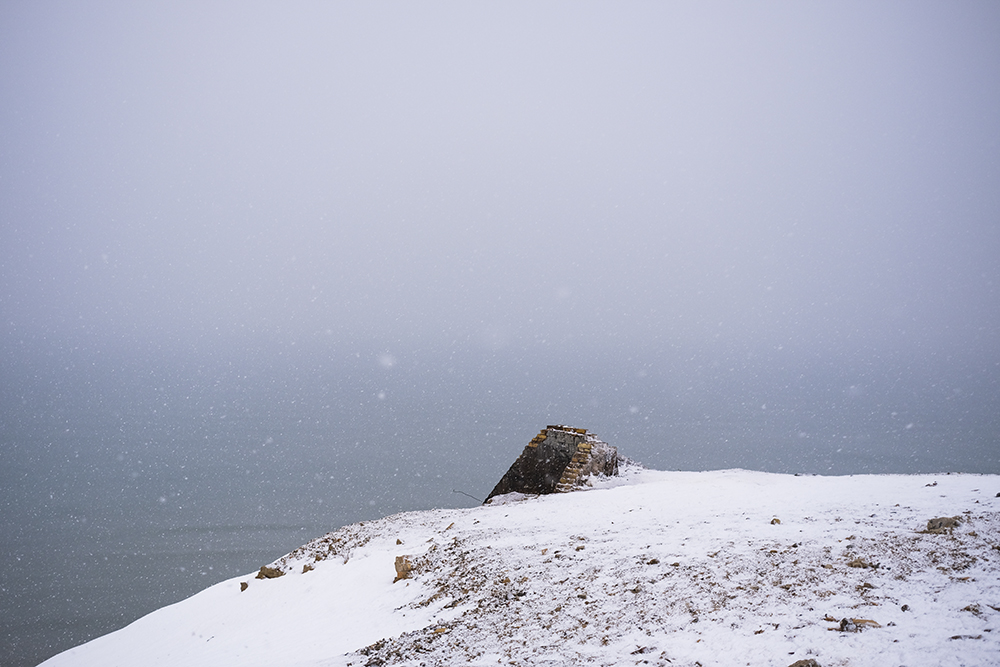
(466, 494)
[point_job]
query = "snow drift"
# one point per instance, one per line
(662, 568)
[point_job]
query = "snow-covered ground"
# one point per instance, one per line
(663, 568)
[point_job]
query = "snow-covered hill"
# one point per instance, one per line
(662, 568)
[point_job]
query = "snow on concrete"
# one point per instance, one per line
(663, 568)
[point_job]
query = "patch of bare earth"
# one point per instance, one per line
(608, 599)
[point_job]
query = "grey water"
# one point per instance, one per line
(130, 483)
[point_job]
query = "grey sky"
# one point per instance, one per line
(814, 175)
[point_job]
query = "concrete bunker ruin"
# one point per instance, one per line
(558, 459)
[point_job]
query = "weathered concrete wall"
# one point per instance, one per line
(558, 459)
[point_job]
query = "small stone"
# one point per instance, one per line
(805, 663)
(399, 541)
(905, 607)
(269, 572)
(243, 586)
(847, 625)
(857, 624)
(404, 568)
(775, 521)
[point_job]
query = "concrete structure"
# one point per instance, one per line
(558, 459)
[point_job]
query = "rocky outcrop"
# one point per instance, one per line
(558, 459)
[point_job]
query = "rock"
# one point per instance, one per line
(856, 624)
(269, 572)
(847, 625)
(943, 525)
(404, 568)
(805, 663)
(558, 459)
(243, 586)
